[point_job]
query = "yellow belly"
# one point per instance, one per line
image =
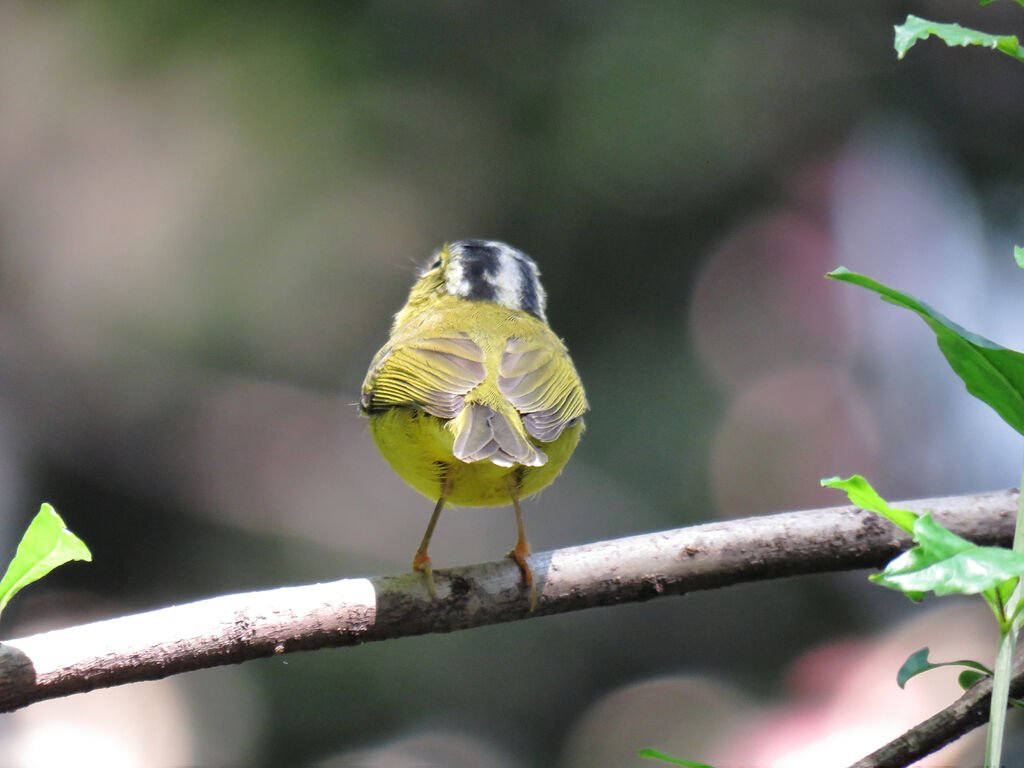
(419, 448)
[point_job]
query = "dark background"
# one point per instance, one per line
(210, 211)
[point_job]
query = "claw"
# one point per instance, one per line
(421, 562)
(518, 556)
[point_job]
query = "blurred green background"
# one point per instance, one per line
(210, 211)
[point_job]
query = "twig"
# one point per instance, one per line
(961, 717)
(235, 628)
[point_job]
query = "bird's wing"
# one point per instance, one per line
(542, 384)
(432, 374)
(435, 374)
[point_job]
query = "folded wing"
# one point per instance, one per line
(542, 384)
(432, 374)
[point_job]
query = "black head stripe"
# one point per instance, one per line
(528, 298)
(482, 258)
(481, 261)
(480, 289)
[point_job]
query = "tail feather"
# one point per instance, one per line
(483, 434)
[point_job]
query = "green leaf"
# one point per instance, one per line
(1004, 592)
(986, 2)
(965, 574)
(45, 545)
(1018, 252)
(674, 760)
(918, 662)
(914, 29)
(938, 541)
(862, 495)
(969, 677)
(992, 373)
(946, 564)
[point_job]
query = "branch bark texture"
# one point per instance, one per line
(234, 628)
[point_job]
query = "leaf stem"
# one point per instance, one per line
(1000, 694)
(1004, 657)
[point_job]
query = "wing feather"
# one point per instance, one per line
(542, 384)
(433, 374)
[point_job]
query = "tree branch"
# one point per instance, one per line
(234, 628)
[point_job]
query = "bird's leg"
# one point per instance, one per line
(522, 549)
(421, 560)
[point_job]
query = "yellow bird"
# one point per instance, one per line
(474, 400)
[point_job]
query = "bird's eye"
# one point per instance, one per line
(435, 265)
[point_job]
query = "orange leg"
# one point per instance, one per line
(421, 560)
(522, 548)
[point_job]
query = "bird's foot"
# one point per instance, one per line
(519, 555)
(421, 562)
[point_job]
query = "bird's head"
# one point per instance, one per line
(483, 270)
